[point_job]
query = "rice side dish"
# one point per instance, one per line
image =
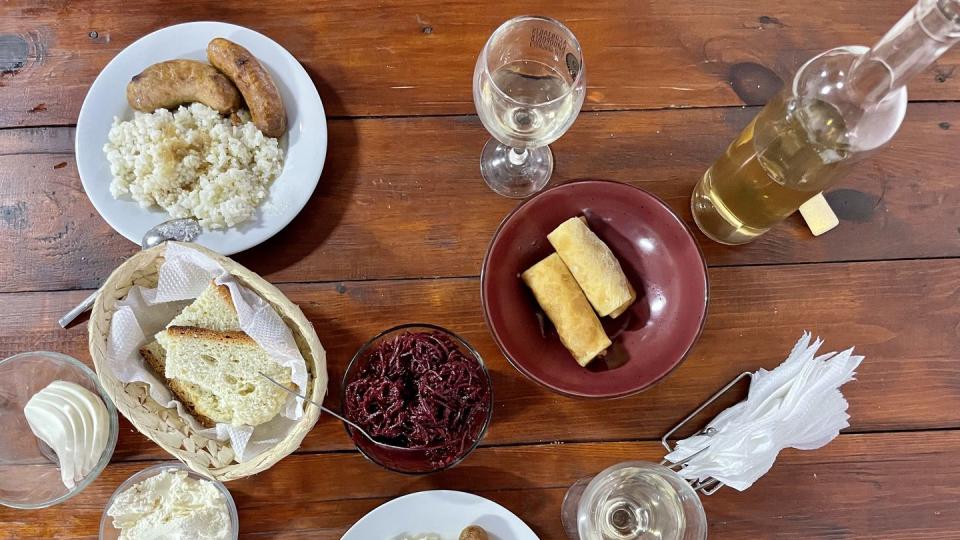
(193, 162)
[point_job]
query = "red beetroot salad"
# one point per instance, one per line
(419, 390)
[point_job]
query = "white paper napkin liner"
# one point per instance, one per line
(184, 275)
(799, 404)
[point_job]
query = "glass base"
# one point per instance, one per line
(569, 509)
(715, 220)
(514, 174)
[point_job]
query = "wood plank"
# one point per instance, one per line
(902, 315)
(403, 198)
(417, 57)
(37, 140)
(855, 487)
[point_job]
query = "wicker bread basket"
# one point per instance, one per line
(165, 427)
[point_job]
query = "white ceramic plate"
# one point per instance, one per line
(443, 513)
(305, 141)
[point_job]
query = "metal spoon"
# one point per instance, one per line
(335, 415)
(181, 230)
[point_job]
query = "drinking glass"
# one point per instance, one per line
(528, 86)
(632, 501)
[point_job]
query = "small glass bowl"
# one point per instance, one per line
(29, 470)
(107, 530)
(410, 461)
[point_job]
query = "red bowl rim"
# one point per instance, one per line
(601, 395)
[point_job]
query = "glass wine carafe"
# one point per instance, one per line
(841, 105)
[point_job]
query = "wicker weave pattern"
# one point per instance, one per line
(164, 426)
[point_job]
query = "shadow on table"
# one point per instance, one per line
(340, 341)
(510, 404)
(464, 477)
(325, 208)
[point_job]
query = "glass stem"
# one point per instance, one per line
(518, 156)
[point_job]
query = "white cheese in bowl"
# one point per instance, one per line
(173, 506)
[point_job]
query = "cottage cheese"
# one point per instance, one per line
(193, 162)
(172, 506)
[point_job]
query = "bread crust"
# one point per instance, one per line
(181, 390)
(231, 336)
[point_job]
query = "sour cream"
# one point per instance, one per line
(73, 421)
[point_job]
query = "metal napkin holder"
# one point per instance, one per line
(710, 485)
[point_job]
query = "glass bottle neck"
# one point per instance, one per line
(913, 44)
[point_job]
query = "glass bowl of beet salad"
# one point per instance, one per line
(421, 389)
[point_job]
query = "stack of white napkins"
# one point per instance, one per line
(797, 405)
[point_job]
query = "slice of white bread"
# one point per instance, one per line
(212, 310)
(228, 366)
(203, 405)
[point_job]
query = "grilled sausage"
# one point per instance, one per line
(258, 89)
(169, 84)
(474, 532)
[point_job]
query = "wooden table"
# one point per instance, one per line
(399, 223)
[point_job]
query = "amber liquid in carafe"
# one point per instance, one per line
(790, 152)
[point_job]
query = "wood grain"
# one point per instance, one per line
(901, 315)
(414, 58)
(401, 203)
(402, 198)
(858, 486)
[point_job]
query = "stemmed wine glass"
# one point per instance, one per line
(528, 86)
(632, 501)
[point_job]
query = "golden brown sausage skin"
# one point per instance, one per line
(258, 89)
(172, 83)
(474, 532)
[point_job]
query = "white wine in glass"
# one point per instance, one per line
(634, 500)
(528, 87)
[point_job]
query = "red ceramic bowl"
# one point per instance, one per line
(660, 258)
